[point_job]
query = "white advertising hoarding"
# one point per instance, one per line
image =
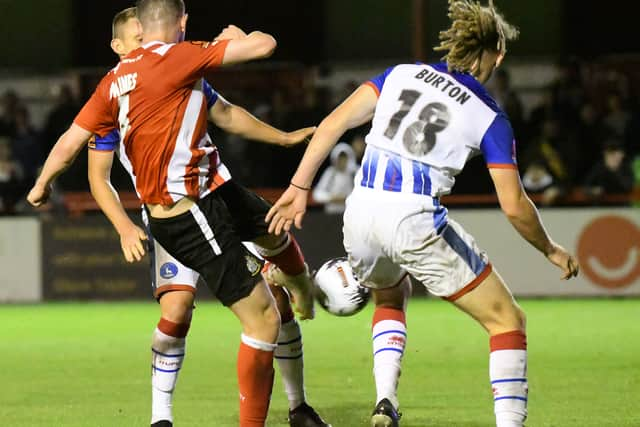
(605, 240)
(20, 260)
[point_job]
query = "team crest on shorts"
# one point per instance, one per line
(253, 265)
(168, 270)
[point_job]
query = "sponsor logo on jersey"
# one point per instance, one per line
(123, 85)
(131, 60)
(168, 270)
(202, 44)
(253, 264)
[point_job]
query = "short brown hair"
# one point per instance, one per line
(474, 29)
(159, 11)
(120, 19)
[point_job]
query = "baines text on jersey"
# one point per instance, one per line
(123, 85)
(447, 86)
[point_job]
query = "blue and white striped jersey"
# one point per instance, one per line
(427, 124)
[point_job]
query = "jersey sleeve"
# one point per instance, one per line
(498, 145)
(108, 142)
(200, 57)
(210, 94)
(96, 116)
(377, 82)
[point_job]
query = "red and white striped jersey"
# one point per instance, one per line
(154, 96)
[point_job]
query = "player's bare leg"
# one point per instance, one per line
(493, 306)
(168, 352)
(289, 355)
(260, 325)
(287, 268)
(389, 334)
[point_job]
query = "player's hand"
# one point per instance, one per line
(131, 243)
(231, 33)
(289, 209)
(39, 195)
(298, 136)
(564, 260)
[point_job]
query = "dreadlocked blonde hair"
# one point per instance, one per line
(474, 29)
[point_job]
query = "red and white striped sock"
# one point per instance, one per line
(508, 374)
(389, 339)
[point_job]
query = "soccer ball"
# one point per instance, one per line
(337, 290)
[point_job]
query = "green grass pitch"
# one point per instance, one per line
(89, 364)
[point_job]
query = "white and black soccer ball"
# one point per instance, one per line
(337, 289)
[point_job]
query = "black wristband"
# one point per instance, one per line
(299, 187)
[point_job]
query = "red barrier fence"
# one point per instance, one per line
(78, 203)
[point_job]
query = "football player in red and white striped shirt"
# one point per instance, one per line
(154, 97)
(168, 273)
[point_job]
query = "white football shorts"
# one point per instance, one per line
(389, 235)
(167, 273)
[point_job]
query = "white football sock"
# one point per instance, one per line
(291, 363)
(508, 373)
(167, 357)
(389, 339)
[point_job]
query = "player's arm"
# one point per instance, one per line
(238, 121)
(92, 119)
(131, 236)
(244, 47)
(60, 158)
(520, 210)
(499, 152)
(354, 111)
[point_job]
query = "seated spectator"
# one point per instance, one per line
(536, 178)
(633, 135)
(11, 178)
(25, 145)
(508, 99)
(336, 181)
(358, 145)
(618, 117)
(10, 102)
(60, 117)
(611, 175)
(568, 90)
(551, 153)
(590, 134)
(543, 109)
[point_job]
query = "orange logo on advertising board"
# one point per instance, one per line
(609, 251)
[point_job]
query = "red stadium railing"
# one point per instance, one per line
(78, 203)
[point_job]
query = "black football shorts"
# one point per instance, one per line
(208, 239)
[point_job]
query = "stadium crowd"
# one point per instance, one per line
(583, 133)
